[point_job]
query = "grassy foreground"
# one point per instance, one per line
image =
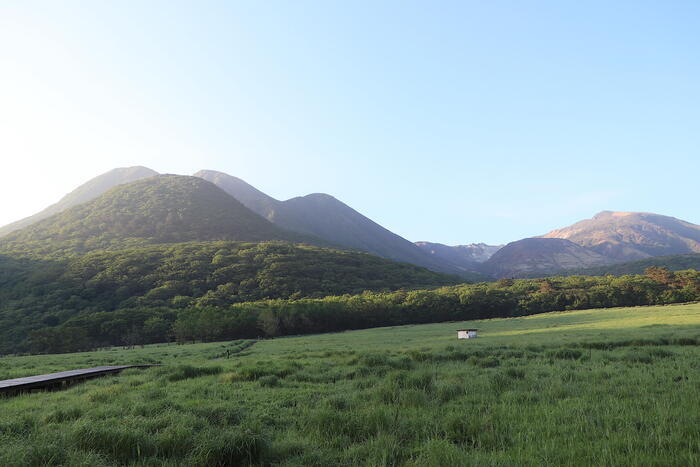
(603, 387)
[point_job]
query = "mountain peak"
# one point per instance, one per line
(629, 236)
(160, 209)
(84, 193)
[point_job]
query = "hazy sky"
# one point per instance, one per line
(452, 122)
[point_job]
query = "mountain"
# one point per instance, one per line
(326, 217)
(465, 257)
(533, 256)
(160, 209)
(86, 192)
(629, 236)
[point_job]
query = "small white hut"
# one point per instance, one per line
(466, 333)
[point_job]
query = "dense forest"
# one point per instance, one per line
(206, 321)
(672, 262)
(44, 293)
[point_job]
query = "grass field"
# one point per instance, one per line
(594, 387)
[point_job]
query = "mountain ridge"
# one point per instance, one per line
(326, 217)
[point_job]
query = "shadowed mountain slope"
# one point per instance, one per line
(85, 192)
(628, 236)
(532, 256)
(326, 217)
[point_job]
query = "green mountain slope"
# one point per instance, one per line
(37, 294)
(326, 217)
(84, 193)
(162, 209)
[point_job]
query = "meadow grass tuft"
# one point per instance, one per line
(182, 372)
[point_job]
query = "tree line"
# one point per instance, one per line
(280, 317)
(37, 293)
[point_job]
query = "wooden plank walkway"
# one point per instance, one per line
(57, 379)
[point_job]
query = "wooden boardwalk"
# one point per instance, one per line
(54, 380)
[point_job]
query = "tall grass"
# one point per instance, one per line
(603, 387)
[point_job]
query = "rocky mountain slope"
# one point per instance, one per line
(465, 257)
(628, 236)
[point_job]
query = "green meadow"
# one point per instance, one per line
(594, 387)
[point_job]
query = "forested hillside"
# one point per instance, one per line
(84, 193)
(162, 209)
(673, 263)
(208, 320)
(45, 293)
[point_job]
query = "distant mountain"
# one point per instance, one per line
(539, 256)
(465, 257)
(326, 217)
(628, 236)
(86, 192)
(161, 209)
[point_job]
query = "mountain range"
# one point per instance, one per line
(136, 206)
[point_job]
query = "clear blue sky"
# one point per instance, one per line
(452, 122)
